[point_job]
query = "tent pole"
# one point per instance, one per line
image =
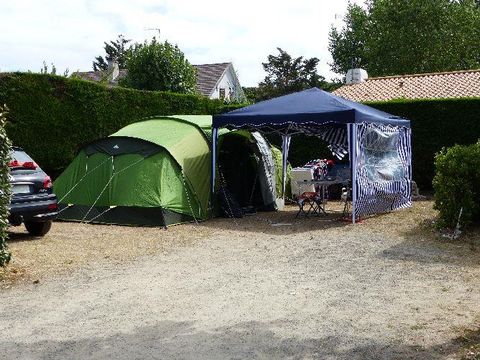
(214, 164)
(353, 162)
(285, 146)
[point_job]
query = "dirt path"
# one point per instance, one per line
(313, 289)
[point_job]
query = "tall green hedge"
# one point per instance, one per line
(435, 124)
(52, 116)
(5, 191)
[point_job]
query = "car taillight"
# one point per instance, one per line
(30, 165)
(47, 182)
(52, 207)
(13, 164)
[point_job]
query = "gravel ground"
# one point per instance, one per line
(266, 287)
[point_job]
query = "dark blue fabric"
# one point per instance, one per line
(313, 106)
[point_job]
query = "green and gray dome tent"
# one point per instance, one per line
(154, 172)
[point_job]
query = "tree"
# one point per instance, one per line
(116, 50)
(286, 75)
(251, 94)
(348, 46)
(391, 37)
(159, 66)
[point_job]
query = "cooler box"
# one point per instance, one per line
(301, 174)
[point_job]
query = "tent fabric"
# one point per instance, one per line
(187, 144)
(153, 172)
(266, 175)
(248, 168)
(312, 106)
(152, 182)
(163, 162)
(123, 215)
(333, 134)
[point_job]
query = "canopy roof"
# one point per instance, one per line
(312, 106)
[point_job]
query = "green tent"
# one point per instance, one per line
(157, 172)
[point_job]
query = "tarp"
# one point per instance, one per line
(309, 106)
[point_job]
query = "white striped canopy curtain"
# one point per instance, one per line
(380, 158)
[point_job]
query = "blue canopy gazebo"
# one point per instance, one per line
(378, 143)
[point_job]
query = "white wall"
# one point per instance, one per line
(233, 90)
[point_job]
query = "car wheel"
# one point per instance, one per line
(37, 228)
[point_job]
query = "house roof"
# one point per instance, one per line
(454, 84)
(208, 76)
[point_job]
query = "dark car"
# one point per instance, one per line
(33, 201)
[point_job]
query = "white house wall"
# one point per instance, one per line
(233, 90)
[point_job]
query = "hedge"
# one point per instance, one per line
(435, 124)
(51, 117)
(5, 148)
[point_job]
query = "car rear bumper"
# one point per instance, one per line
(40, 208)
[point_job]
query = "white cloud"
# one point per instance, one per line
(71, 33)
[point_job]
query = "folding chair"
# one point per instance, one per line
(309, 203)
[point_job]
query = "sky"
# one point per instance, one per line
(70, 34)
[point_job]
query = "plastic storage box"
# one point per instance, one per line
(301, 174)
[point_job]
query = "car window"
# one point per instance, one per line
(20, 156)
(20, 161)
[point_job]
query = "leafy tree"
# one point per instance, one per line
(5, 191)
(116, 50)
(286, 75)
(392, 37)
(348, 45)
(251, 93)
(159, 66)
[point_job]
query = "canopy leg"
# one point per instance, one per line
(285, 147)
(352, 146)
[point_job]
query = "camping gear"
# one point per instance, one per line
(154, 172)
(299, 177)
(310, 203)
(378, 143)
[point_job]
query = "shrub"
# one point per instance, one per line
(457, 184)
(5, 148)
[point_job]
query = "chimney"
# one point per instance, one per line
(356, 76)
(113, 71)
